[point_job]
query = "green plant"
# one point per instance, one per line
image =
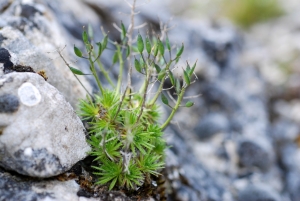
(124, 134)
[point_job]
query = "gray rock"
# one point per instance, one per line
(293, 184)
(32, 34)
(188, 177)
(290, 153)
(212, 124)
(8, 103)
(4, 55)
(258, 193)
(252, 154)
(14, 188)
(41, 136)
(285, 131)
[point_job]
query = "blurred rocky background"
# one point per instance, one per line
(239, 142)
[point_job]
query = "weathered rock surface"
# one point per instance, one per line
(228, 147)
(20, 188)
(41, 136)
(32, 33)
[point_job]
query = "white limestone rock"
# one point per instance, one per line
(41, 135)
(33, 33)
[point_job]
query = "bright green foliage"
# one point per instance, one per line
(117, 134)
(124, 133)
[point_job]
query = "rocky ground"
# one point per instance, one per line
(240, 141)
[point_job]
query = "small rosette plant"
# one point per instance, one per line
(124, 132)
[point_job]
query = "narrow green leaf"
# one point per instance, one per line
(85, 37)
(76, 71)
(155, 49)
(172, 79)
(161, 74)
(115, 57)
(189, 104)
(193, 68)
(188, 68)
(134, 49)
(168, 43)
(142, 62)
(177, 86)
(186, 77)
(77, 51)
(90, 31)
(123, 34)
(158, 69)
(104, 42)
(112, 184)
(127, 51)
(137, 66)
(140, 44)
(164, 99)
(161, 48)
(148, 45)
(99, 48)
(180, 51)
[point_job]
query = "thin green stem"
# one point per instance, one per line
(144, 94)
(160, 88)
(92, 67)
(120, 104)
(105, 73)
(83, 85)
(120, 70)
(179, 99)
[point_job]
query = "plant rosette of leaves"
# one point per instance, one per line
(124, 133)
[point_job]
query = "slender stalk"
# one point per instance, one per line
(92, 67)
(160, 88)
(120, 104)
(74, 74)
(120, 70)
(105, 73)
(179, 99)
(144, 93)
(130, 32)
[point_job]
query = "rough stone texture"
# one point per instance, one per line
(20, 188)
(189, 178)
(212, 124)
(247, 120)
(41, 134)
(8, 103)
(32, 33)
(258, 193)
(252, 155)
(4, 55)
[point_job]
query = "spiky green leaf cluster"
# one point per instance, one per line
(126, 150)
(124, 132)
